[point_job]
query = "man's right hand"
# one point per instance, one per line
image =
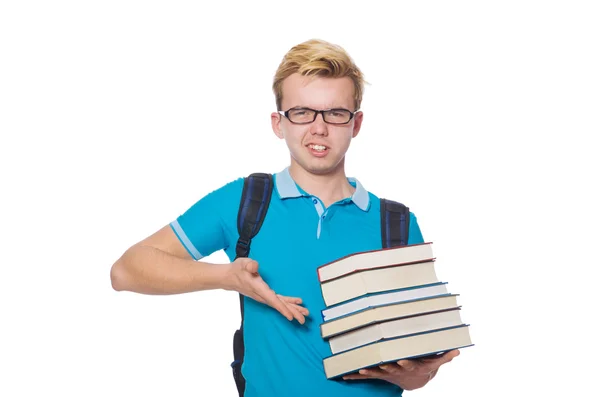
(244, 278)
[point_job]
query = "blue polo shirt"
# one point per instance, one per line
(299, 234)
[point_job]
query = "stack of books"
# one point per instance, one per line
(387, 305)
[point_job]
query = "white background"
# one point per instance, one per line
(116, 116)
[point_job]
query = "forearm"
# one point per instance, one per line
(148, 270)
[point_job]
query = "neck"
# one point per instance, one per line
(329, 187)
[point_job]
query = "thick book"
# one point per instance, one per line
(364, 282)
(377, 314)
(392, 350)
(382, 298)
(394, 328)
(375, 259)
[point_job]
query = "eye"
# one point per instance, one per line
(338, 113)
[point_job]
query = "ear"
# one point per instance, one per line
(358, 119)
(275, 124)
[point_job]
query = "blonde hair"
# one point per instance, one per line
(318, 58)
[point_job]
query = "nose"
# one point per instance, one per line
(319, 126)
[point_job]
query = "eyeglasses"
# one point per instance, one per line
(307, 116)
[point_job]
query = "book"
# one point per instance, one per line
(394, 328)
(395, 349)
(377, 314)
(361, 283)
(382, 298)
(387, 305)
(375, 259)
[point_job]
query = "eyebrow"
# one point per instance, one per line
(329, 108)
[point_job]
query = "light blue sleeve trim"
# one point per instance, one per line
(185, 241)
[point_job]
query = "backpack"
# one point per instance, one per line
(256, 196)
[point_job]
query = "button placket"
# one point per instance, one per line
(320, 212)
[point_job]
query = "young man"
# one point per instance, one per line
(316, 214)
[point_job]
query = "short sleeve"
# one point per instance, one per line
(203, 228)
(414, 231)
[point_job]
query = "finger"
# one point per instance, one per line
(296, 313)
(447, 357)
(438, 360)
(355, 377)
(271, 299)
(372, 372)
(295, 303)
(289, 299)
(407, 365)
(301, 309)
(365, 373)
(389, 368)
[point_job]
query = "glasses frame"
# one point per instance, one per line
(316, 113)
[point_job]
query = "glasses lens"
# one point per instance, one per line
(337, 116)
(301, 115)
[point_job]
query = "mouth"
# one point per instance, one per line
(317, 150)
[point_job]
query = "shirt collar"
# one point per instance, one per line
(287, 188)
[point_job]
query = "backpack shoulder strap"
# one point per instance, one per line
(254, 203)
(395, 221)
(256, 197)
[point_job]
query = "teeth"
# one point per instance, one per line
(318, 147)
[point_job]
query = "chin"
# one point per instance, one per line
(320, 171)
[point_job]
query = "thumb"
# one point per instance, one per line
(251, 266)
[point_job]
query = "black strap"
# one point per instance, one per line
(256, 197)
(254, 204)
(395, 221)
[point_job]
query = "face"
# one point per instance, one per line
(306, 141)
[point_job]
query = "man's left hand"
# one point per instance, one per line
(408, 374)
